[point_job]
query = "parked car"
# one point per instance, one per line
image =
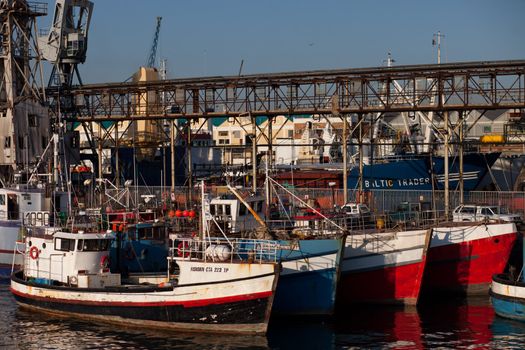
(474, 212)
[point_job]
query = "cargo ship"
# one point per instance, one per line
(404, 172)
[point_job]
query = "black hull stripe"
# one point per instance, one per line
(185, 303)
(251, 312)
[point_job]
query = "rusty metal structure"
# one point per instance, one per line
(461, 87)
(436, 90)
(24, 117)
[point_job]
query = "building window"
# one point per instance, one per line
(237, 134)
(223, 133)
(7, 142)
(487, 129)
(290, 134)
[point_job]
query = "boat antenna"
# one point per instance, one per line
(436, 41)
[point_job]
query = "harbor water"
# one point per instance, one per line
(444, 324)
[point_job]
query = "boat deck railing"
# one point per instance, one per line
(222, 249)
(350, 224)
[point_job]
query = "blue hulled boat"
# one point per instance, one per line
(420, 172)
(507, 294)
(310, 267)
(309, 276)
(508, 297)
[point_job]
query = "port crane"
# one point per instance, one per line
(153, 51)
(65, 46)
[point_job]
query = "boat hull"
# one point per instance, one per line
(383, 268)
(508, 297)
(238, 301)
(308, 281)
(9, 232)
(412, 172)
(462, 259)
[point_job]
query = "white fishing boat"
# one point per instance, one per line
(21, 204)
(211, 286)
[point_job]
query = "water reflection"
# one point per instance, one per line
(445, 324)
(457, 323)
(379, 327)
(508, 334)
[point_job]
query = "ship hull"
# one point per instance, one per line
(383, 268)
(415, 173)
(508, 297)
(9, 231)
(308, 281)
(462, 259)
(240, 304)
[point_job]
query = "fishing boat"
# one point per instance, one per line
(384, 266)
(463, 256)
(507, 294)
(210, 286)
(141, 241)
(21, 204)
(310, 262)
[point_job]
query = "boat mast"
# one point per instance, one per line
(437, 41)
(345, 159)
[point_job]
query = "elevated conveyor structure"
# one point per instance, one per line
(462, 87)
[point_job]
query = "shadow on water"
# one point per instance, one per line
(379, 327)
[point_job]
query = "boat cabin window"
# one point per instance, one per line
(242, 210)
(64, 244)
(2, 199)
(212, 209)
(219, 209)
(93, 245)
(227, 209)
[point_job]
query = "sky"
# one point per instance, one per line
(210, 38)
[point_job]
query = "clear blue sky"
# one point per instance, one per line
(201, 38)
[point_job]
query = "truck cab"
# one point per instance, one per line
(474, 212)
